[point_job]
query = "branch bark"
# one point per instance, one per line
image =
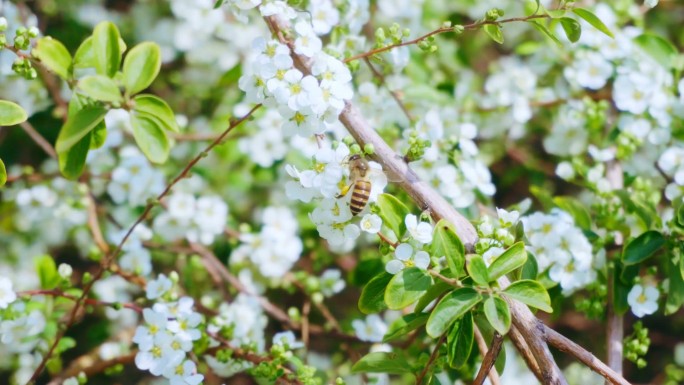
(490, 355)
(615, 328)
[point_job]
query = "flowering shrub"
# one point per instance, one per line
(341, 192)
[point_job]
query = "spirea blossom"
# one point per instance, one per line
(643, 299)
(372, 329)
(7, 295)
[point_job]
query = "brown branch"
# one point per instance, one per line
(564, 344)
(91, 366)
(433, 357)
(438, 31)
(525, 352)
(107, 260)
(487, 367)
(94, 225)
(87, 301)
(39, 139)
(482, 345)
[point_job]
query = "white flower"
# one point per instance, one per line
(421, 232)
(159, 355)
(590, 70)
(507, 218)
(643, 300)
(288, 340)
(158, 287)
(181, 206)
(331, 282)
(137, 260)
(155, 323)
(7, 295)
(371, 223)
(65, 270)
(565, 170)
(651, 3)
(632, 93)
(183, 374)
(70, 381)
(404, 258)
(324, 16)
(372, 329)
(306, 43)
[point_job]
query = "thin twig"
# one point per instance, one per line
(38, 138)
(438, 31)
(433, 357)
(395, 94)
(482, 345)
(487, 367)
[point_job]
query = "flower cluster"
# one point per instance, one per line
(275, 249)
(195, 219)
(167, 337)
(561, 247)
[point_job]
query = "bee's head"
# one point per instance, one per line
(354, 157)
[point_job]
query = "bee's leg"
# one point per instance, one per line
(344, 191)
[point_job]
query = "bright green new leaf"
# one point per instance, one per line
(78, 126)
(494, 31)
(642, 247)
(530, 293)
(106, 49)
(482, 323)
(100, 88)
(477, 269)
(662, 50)
(393, 212)
(460, 341)
(141, 66)
(85, 57)
(98, 136)
(680, 215)
(47, 272)
(382, 362)
(156, 107)
(406, 287)
(445, 243)
(530, 269)
(53, 55)
(511, 259)
(72, 161)
(372, 299)
(576, 209)
(3, 173)
(592, 19)
(151, 138)
(453, 306)
(572, 28)
(498, 314)
(404, 325)
(11, 113)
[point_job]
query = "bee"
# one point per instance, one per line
(360, 186)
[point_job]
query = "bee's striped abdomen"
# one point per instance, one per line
(360, 194)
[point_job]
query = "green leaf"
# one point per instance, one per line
(11, 113)
(680, 215)
(554, 13)
(453, 306)
(659, 48)
(151, 138)
(530, 269)
(372, 299)
(620, 290)
(675, 292)
(392, 211)
(218, 3)
(382, 362)
(78, 126)
(644, 211)
(445, 243)
(530, 293)
(406, 287)
(494, 31)
(572, 28)
(488, 331)
(511, 259)
(72, 161)
(431, 294)
(460, 341)
(478, 270)
(576, 209)
(497, 313)
(85, 57)
(106, 49)
(100, 88)
(98, 136)
(157, 108)
(54, 56)
(3, 173)
(141, 66)
(642, 247)
(47, 272)
(543, 29)
(592, 19)
(404, 325)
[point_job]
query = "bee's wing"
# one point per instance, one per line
(376, 170)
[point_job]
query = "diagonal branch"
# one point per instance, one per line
(489, 360)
